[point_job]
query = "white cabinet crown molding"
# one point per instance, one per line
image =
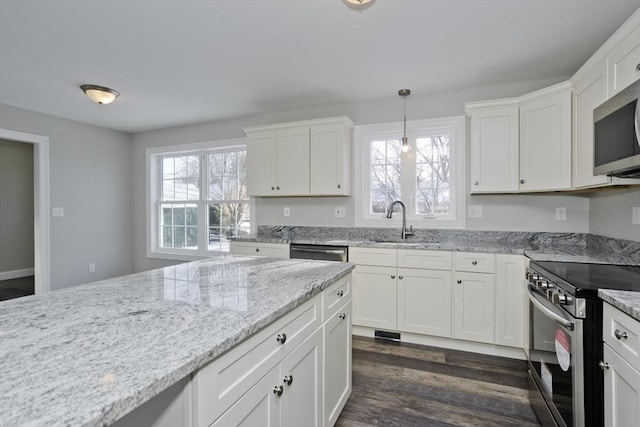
(469, 106)
(546, 91)
(314, 122)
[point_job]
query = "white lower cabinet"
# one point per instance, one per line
(425, 300)
(621, 362)
(374, 296)
(337, 364)
(473, 307)
(469, 296)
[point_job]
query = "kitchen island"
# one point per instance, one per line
(88, 355)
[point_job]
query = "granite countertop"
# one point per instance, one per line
(625, 301)
(89, 354)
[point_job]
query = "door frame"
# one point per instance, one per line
(41, 239)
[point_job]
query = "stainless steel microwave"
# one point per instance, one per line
(616, 135)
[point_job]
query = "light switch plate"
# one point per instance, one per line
(287, 211)
(635, 217)
(340, 211)
(561, 214)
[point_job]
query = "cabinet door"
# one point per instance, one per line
(330, 160)
(589, 92)
(424, 301)
(510, 300)
(374, 297)
(473, 296)
(624, 63)
(545, 142)
(261, 163)
(337, 366)
(302, 377)
(621, 392)
(494, 149)
(292, 171)
(259, 407)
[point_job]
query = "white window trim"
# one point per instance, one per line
(153, 192)
(363, 134)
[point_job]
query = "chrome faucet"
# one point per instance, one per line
(405, 233)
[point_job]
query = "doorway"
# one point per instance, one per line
(40, 204)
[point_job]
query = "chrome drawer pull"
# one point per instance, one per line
(474, 262)
(340, 293)
(342, 316)
(281, 338)
(620, 335)
(288, 379)
(603, 365)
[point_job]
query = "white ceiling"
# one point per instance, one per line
(179, 62)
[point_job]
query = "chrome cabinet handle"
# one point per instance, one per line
(401, 277)
(257, 249)
(474, 262)
(339, 186)
(475, 183)
(522, 181)
(638, 67)
(278, 390)
(458, 281)
(340, 293)
(288, 379)
(277, 188)
(393, 276)
(603, 365)
(342, 316)
(620, 335)
(281, 338)
(273, 188)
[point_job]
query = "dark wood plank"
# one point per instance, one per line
(400, 384)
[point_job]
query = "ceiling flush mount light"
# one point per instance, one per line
(358, 1)
(405, 142)
(100, 94)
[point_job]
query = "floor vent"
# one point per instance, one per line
(394, 336)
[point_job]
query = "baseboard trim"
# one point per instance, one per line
(453, 344)
(16, 274)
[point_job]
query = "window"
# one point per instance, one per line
(428, 178)
(197, 198)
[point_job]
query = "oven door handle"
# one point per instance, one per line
(550, 313)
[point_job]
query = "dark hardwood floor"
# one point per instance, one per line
(401, 384)
(15, 288)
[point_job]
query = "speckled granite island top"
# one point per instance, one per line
(87, 355)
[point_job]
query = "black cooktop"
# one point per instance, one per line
(591, 277)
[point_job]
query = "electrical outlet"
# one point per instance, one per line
(92, 267)
(475, 211)
(561, 214)
(635, 217)
(287, 211)
(57, 212)
(340, 211)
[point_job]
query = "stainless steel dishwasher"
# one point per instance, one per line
(319, 252)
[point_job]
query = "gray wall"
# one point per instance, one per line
(16, 206)
(90, 177)
(505, 212)
(610, 213)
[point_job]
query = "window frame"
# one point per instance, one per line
(416, 128)
(154, 187)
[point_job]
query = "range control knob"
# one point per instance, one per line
(558, 297)
(544, 284)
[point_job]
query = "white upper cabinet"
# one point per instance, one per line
(545, 139)
(494, 146)
(588, 93)
(522, 144)
(300, 158)
(623, 62)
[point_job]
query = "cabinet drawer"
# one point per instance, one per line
(622, 333)
(475, 262)
(433, 260)
(273, 250)
(219, 384)
(335, 296)
(373, 256)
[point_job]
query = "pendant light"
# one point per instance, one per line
(405, 142)
(100, 94)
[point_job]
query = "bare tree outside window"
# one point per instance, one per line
(385, 169)
(432, 174)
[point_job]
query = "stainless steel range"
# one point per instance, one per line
(565, 329)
